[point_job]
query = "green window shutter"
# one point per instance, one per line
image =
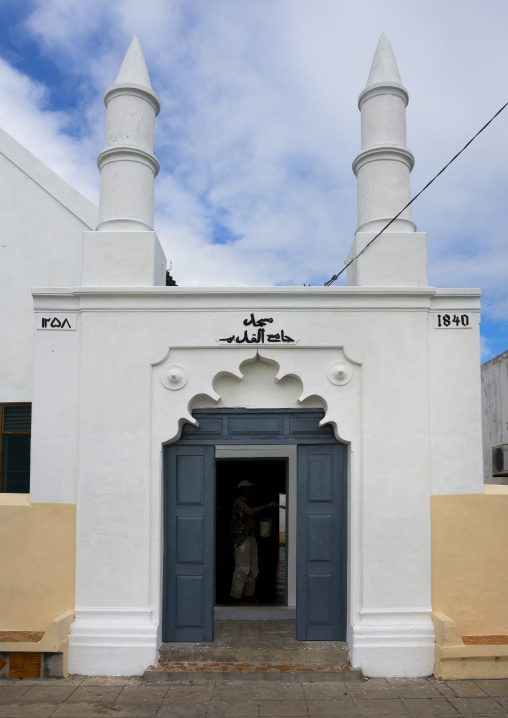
(17, 419)
(16, 463)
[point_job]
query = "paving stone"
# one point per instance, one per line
(48, 693)
(496, 688)
(418, 690)
(233, 708)
(236, 691)
(87, 709)
(148, 693)
(107, 680)
(95, 694)
(184, 710)
(283, 708)
(324, 691)
(381, 706)
(11, 693)
(28, 710)
(443, 688)
(334, 707)
(281, 691)
(357, 690)
(466, 689)
(478, 706)
(429, 706)
(197, 693)
(130, 710)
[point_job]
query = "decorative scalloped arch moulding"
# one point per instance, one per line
(325, 372)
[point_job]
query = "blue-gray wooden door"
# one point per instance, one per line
(321, 543)
(189, 484)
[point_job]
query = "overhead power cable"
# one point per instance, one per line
(336, 276)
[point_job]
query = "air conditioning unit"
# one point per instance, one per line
(500, 460)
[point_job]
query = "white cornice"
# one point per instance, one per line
(213, 299)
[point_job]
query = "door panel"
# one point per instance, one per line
(321, 543)
(189, 543)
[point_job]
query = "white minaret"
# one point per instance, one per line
(124, 250)
(399, 256)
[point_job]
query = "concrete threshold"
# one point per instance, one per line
(254, 650)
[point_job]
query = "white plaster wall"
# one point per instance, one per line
(55, 412)
(42, 221)
(455, 397)
(494, 378)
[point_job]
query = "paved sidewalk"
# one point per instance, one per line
(79, 697)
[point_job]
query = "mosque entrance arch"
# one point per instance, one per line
(189, 518)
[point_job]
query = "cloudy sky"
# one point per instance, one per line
(259, 126)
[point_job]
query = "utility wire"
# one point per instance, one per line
(336, 276)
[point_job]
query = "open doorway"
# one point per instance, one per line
(270, 479)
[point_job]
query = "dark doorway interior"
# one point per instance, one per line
(270, 479)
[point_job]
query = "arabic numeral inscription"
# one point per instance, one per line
(447, 320)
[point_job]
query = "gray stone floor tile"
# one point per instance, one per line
(496, 688)
(28, 710)
(48, 693)
(86, 709)
(291, 709)
(236, 691)
(107, 680)
(184, 693)
(95, 693)
(233, 708)
(444, 689)
(281, 691)
(466, 689)
(183, 710)
(152, 693)
(382, 706)
(417, 690)
(325, 691)
(334, 707)
(478, 706)
(371, 691)
(130, 710)
(11, 693)
(429, 706)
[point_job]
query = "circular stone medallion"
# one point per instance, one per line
(175, 377)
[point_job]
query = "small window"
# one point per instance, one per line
(15, 428)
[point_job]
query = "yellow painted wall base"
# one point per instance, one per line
(469, 566)
(454, 660)
(37, 562)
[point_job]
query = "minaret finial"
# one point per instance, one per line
(127, 163)
(134, 69)
(384, 67)
(382, 168)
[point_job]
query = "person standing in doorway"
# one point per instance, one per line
(243, 535)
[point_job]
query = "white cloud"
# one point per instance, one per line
(24, 115)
